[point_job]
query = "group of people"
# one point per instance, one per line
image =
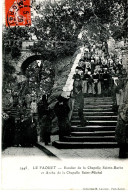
(18, 131)
(98, 73)
(23, 129)
(97, 68)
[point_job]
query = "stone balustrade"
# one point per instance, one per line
(69, 83)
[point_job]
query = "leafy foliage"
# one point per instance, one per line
(8, 78)
(58, 24)
(15, 51)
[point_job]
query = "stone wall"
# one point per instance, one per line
(17, 63)
(64, 67)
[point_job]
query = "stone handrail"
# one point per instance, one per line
(67, 89)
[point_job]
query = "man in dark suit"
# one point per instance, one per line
(62, 110)
(78, 95)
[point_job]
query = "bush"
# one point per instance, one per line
(15, 52)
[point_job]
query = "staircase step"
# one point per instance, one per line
(93, 128)
(80, 145)
(95, 109)
(96, 117)
(94, 133)
(96, 106)
(90, 101)
(89, 139)
(95, 122)
(100, 131)
(98, 103)
(95, 113)
(98, 98)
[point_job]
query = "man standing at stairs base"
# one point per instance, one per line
(62, 110)
(79, 98)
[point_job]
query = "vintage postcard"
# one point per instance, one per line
(64, 108)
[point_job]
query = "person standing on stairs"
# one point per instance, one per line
(79, 98)
(117, 94)
(95, 77)
(106, 79)
(76, 76)
(85, 82)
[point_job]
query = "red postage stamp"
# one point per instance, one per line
(18, 13)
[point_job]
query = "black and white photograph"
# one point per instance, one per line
(64, 104)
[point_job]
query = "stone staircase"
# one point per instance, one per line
(100, 131)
